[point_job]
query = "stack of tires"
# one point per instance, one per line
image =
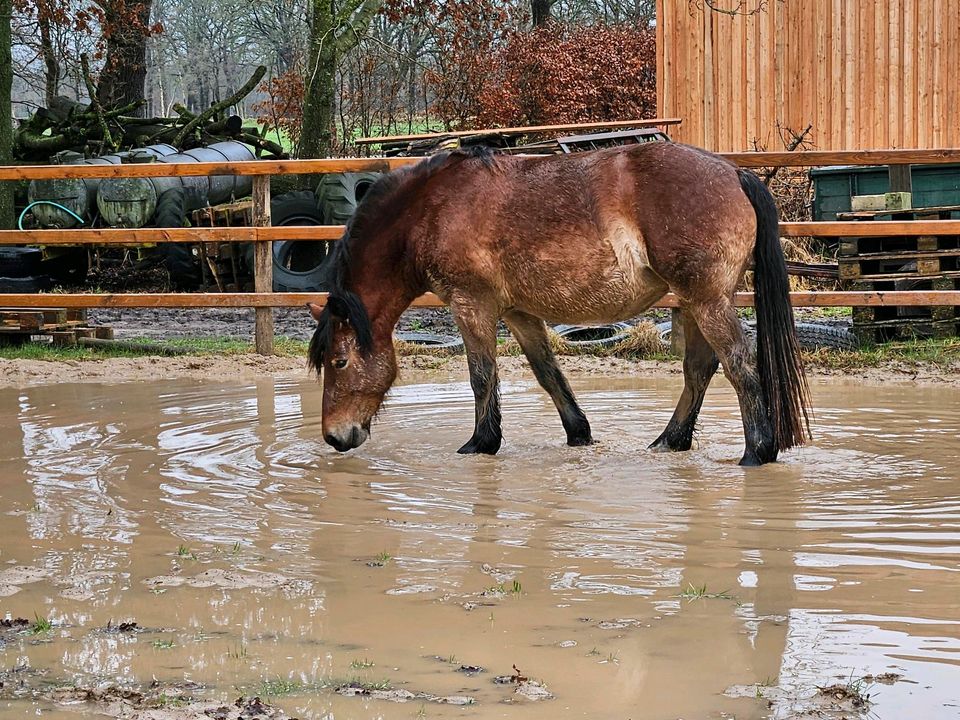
(299, 265)
(20, 270)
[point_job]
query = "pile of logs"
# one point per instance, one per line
(95, 130)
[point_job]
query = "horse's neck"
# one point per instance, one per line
(383, 286)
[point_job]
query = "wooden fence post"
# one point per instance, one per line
(262, 265)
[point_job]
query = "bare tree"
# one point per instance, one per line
(6, 112)
(335, 30)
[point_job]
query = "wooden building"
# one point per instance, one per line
(865, 74)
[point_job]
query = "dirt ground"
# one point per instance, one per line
(18, 373)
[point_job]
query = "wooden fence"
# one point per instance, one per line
(861, 73)
(262, 235)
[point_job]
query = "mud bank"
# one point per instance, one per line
(16, 373)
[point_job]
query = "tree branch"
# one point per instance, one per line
(355, 24)
(222, 105)
(95, 103)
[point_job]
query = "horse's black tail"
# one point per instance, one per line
(779, 363)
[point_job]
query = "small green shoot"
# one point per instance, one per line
(364, 664)
(184, 552)
(238, 653)
(380, 559)
(693, 592)
(279, 687)
(594, 651)
(163, 644)
(40, 625)
(516, 588)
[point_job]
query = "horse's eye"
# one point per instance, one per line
(340, 364)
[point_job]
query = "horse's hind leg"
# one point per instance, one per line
(478, 326)
(721, 328)
(531, 333)
(699, 365)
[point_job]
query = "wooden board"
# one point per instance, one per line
(150, 236)
(525, 130)
(268, 300)
(809, 158)
(863, 74)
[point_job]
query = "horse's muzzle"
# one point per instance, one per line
(348, 439)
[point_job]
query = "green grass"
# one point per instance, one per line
(40, 625)
(202, 346)
(163, 644)
(693, 592)
(357, 664)
(185, 552)
(280, 687)
(941, 353)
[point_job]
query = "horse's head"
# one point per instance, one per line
(357, 369)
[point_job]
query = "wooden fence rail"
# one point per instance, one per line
(261, 234)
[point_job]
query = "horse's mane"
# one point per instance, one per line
(344, 303)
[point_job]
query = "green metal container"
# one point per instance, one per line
(933, 186)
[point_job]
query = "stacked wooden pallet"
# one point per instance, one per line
(220, 262)
(902, 263)
(63, 325)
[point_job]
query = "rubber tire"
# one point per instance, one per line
(811, 336)
(185, 273)
(69, 265)
(29, 284)
(815, 336)
(18, 262)
(447, 344)
(609, 335)
(338, 195)
(298, 265)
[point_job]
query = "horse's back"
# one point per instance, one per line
(599, 235)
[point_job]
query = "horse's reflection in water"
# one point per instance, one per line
(592, 237)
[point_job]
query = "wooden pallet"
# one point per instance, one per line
(63, 325)
(880, 324)
(942, 212)
(220, 261)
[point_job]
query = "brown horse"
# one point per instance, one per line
(585, 238)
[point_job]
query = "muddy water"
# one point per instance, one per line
(254, 560)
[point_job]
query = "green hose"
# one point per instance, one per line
(44, 202)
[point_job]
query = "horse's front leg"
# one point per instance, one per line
(478, 325)
(531, 333)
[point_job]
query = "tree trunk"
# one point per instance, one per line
(335, 29)
(50, 62)
(541, 11)
(125, 68)
(6, 113)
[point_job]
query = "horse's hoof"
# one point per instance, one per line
(474, 447)
(581, 441)
(662, 445)
(758, 458)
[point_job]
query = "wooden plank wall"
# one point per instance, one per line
(865, 74)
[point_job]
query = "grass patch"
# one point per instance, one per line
(185, 552)
(942, 353)
(284, 347)
(693, 592)
(40, 625)
(364, 664)
(163, 644)
(280, 687)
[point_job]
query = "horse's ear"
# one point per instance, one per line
(338, 308)
(315, 310)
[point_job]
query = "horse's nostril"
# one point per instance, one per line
(331, 439)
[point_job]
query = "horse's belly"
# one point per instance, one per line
(621, 287)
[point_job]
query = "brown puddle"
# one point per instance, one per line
(254, 560)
